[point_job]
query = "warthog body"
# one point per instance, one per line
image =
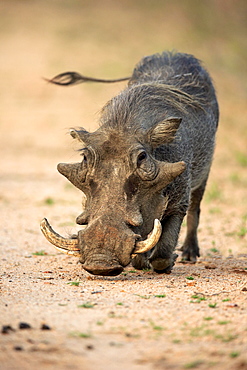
(149, 159)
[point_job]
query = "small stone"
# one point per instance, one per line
(18, 348)
(244, 289)
(45, 327)
(6, 329)
(233, 305)
(24, 325)
(29, 340)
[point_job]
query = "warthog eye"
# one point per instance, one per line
(141, 157)
(145, 166)
(84, 158)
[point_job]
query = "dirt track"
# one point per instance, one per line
(192, 318)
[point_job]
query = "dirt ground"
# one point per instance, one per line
(196, 317)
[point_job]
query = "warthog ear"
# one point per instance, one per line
(164, 132)
(81, 135)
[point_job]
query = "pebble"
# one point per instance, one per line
(89, 347)
(24, 325)
(18, 348)
(45, 327)
(6, 329)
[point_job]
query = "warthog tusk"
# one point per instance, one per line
(65, 245)
(152, 239)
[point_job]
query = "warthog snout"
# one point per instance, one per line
(102, 268)
(112, 253)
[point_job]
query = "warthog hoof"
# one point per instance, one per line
(164, 266)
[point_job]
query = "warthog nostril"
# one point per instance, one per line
(103, 271)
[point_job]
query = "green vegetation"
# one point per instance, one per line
(86, 305)
(212, 305)
(201, 331)
(49, 201)
(84, 335)
(235, 178)
(223, 322)
(74, 283)
(193, 364)
(160, 295)
(228, 337)
(213, 193)
(243, 227)
(197, 298)
(241, 231)
(40, 253)
(241, 159)
(215, 210)
(125, 273)
(149, 296)
(214, 250)
(156, 327)
(143, 296)
(80, 334)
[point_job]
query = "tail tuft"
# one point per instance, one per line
(74, 78)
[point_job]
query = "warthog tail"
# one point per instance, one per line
(74, 78)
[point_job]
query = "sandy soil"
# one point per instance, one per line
(196, 317)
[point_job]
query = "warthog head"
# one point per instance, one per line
(123, 183)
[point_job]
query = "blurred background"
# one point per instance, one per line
(105, 39)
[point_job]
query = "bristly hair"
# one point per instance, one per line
(183, 71)
(146, 102)
(160, 83)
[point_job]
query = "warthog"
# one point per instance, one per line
(144, 168)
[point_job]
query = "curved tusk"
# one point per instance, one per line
(152, 239)
(65, 245)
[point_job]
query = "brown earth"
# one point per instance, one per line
(196, 316)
